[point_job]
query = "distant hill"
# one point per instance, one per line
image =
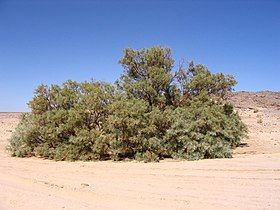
(263, 99)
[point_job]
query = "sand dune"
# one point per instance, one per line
(250, 180)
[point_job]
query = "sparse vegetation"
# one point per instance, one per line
(260, 119)
(256, 110)
(152, 112)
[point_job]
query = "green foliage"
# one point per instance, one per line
(197, 80)
(203, 130)
(153, 112)
(24, 137)
(135, 131)
(148, 75)
(65, 122)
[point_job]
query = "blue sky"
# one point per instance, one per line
(50, 41)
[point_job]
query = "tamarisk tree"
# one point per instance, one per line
(153, 111)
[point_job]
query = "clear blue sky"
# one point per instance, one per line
(50, 41)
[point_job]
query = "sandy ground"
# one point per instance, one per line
(250, 180)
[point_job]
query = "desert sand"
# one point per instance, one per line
(249, 180)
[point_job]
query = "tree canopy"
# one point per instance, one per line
(153, 111)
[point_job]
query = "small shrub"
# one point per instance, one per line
(256, 110)
(260, 119)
